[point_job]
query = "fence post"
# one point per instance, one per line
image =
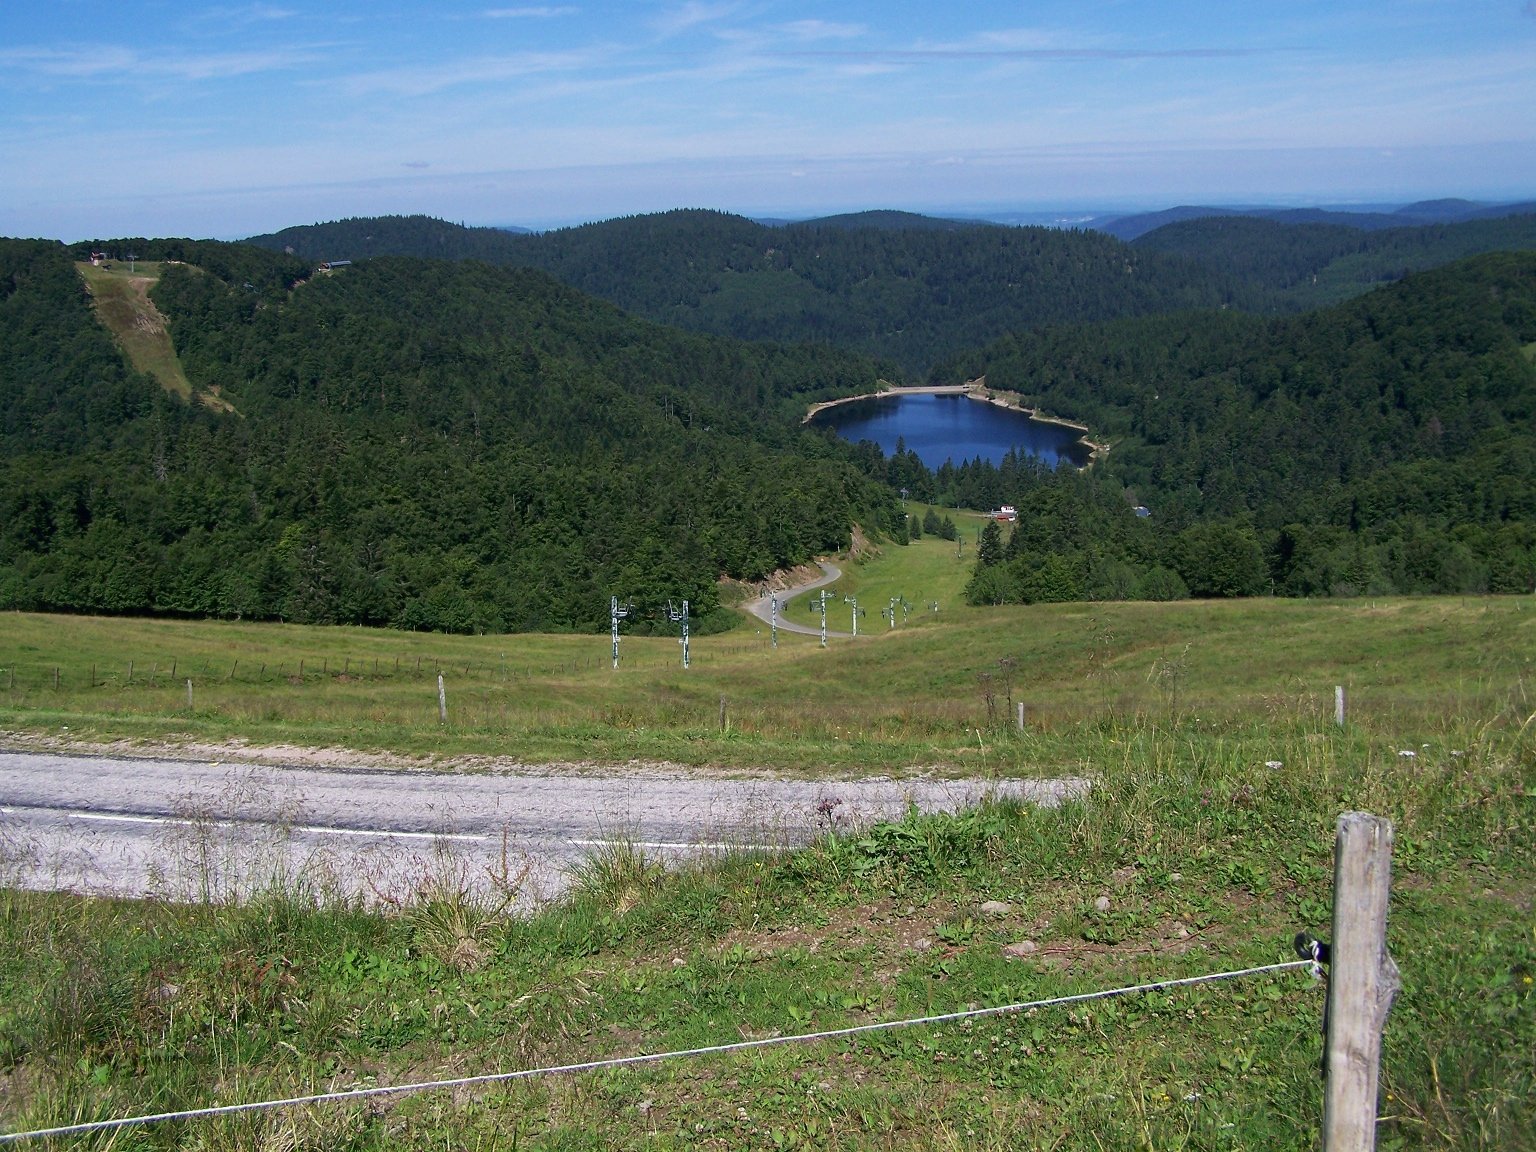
(1021, 715)
(1362, 981)
(722, 714)
(1338, 705)
(442, 700)
(189, 695)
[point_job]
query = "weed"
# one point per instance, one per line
(617, 874)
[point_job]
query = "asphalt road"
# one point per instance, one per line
(207, 829)
(762, 607)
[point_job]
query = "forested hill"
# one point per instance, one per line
(420, 443)
(1447, 211)
(1388, 444)
(1298, 265)
(877, 283)
(919, 290)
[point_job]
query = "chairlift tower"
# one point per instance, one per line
(854, 602)
(773, 620)
(820, 603)
(675, 616)
(616, 613)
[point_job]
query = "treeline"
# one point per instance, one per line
(1294, 266)
(907, 289)
(918, 291)
(419, 444)
(1383, 445)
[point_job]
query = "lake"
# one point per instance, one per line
(951, 427)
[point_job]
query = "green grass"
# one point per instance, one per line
(122, 303)
(941, 691)
(1207, 729)
(1209, 859)
(922, 573)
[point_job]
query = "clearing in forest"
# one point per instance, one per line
(121, 298)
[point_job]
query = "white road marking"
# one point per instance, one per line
(328, 830)
(318, 829)
(678, 844)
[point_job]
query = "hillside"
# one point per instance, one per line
(1385, 444)
(1449, 211)
(426, 444)
(919, 291)
(1299, 265)
(909, 289)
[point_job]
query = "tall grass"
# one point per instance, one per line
(1202, 845)
(912, 696)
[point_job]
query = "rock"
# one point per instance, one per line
(996, 908)
(1180, 930)
(922, 944)
(1175, 877)
(1020, 948)
(1101, 904)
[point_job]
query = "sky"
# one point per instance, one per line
(158, 118)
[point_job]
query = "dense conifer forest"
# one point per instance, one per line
(919, 290)
(418, 443)
(1385, 445)
(471, 443)
(878, 283)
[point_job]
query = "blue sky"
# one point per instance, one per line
(138, 117)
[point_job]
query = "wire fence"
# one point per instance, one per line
(608, 1063)
(162, 672)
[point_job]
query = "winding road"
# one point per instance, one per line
(762, 607)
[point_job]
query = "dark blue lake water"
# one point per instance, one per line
(957, 428)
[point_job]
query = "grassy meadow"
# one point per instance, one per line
(1205, 845)
(123, 304)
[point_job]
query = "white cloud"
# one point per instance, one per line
(533, 13)
(114, 62)
(691, 15)
(807, 30)
(421, 80)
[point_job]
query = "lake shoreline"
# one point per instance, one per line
(973, 390)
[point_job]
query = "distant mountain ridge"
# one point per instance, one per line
(908, 289)
(1445, 211)
(916, 290)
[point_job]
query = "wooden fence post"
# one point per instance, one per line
(442, 700)
(1338, 705)
(189, 695)
(722, 714)
(1021, 715)
(1362, 981)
